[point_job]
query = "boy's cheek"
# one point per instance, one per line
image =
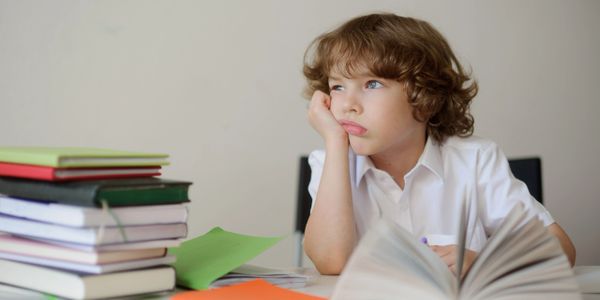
(335, 110)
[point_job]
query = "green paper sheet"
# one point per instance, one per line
(205, 258)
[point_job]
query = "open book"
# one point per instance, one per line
(521, 260)
(247, 272)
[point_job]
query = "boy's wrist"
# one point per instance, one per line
(337, 144)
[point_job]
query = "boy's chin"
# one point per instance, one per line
(361, 150)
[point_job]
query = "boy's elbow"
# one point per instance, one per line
(330, 266)
(328, 262)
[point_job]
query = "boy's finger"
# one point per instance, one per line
(442, 250)
(452, 269)
(449, 259)
(320, 103)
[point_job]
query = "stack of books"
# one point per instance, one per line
(88, 223)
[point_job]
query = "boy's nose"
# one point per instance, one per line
(352, 103)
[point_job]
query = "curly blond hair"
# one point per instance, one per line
(404, 49)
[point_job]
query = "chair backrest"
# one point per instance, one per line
(528, 170)
(304, 201)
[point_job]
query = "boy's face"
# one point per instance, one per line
(376, 114)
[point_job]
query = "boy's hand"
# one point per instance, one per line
(448, 255)
(322, 120)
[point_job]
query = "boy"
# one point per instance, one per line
(391, 102)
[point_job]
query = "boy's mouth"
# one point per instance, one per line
(353, 128)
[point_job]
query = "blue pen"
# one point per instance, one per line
(424, 240)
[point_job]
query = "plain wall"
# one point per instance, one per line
(217, 85)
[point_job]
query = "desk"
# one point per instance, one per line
(321, 285)
(318, 285)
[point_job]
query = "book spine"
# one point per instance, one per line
(38, 190)
(146, 196)
(30, 158)
(27, 171)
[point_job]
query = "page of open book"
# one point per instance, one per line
(462, 237)
(520, 259)
(389, 263)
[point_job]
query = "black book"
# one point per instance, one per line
(115, 192)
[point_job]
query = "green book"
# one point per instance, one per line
(116, 192)
(203, 259)
(66, 157)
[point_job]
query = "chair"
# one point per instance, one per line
(303, 204)
(528, 170)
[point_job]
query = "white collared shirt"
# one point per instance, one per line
(445, 175)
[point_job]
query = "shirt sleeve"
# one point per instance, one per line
(499, 191)
(316, 160)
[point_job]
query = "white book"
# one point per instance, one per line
(29, 247)
(246, 272)
(92, 235)
(79, 216)
(90, 268)
(8, 292)
(85, 286)
(164, 243)
(521, 260)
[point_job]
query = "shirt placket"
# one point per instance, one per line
(392, 200)
(403, 208)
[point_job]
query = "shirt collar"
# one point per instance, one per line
(363, 164)
(431, 158)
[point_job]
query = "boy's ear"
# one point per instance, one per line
(418, 114)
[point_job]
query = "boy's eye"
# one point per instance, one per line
(373, 84)
(336, 87)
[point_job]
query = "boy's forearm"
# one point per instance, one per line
(330, 232)
(565, 242)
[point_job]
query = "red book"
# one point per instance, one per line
(66, 174)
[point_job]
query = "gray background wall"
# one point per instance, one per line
(217, 84)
